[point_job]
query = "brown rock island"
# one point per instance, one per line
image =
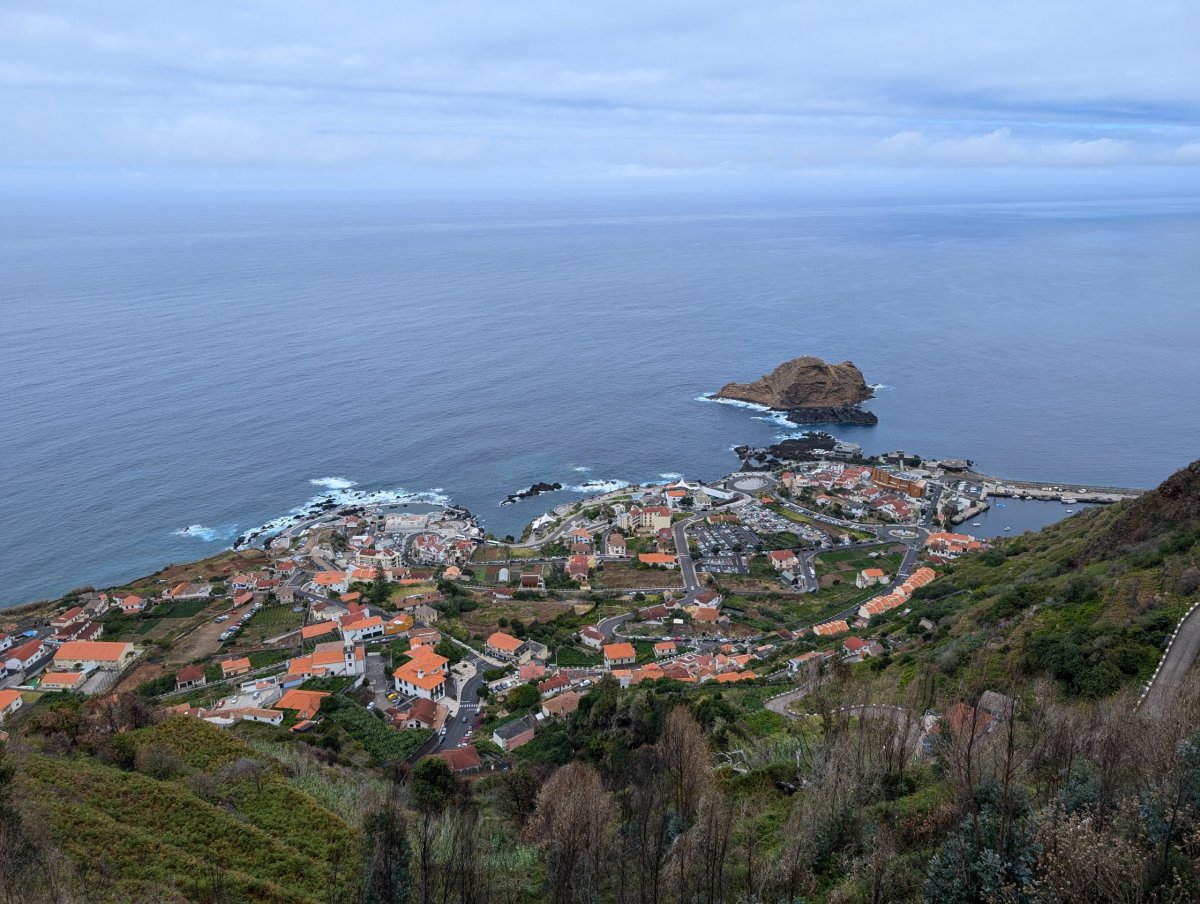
(809, 391)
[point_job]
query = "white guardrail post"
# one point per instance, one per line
(1167, 652)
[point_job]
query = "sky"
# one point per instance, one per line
(1018, 96)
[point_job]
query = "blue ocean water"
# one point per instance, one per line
(176, 371)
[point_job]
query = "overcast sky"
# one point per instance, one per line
(625, 94)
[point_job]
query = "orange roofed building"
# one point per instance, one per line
(305, 704)
(616, 654)
(320, 629)
(657, 558)
(231, 668)
(83, 655)
(424, 675)
(831, 629)
(503, 646)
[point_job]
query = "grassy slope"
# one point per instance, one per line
(138, 833)
(1090, 600)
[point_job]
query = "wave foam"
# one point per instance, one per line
(599, 486)
(333, 483)
(340, 497)
(736, 403)
(671, 475)
(200, 532)
(581, 470)
(876, 387)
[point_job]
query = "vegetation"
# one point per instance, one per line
(383, 743)
(994, 753)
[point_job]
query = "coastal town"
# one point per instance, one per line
(411, 631)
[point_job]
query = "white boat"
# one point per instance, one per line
(1008, 528)
(1067, 500)
(976, 524)
(1070, 511)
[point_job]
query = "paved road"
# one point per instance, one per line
(691, 585)
(687, 567)
(1175, 666)
(607, 626)
(380, 680)
(781, 703)
(468, 704)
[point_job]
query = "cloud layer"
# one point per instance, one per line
(594, 92)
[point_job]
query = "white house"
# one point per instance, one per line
(19, 658)
(591, 637)
(422, 676)
(10, 702)
(363, 629)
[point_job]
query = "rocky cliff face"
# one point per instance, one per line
(806, 382)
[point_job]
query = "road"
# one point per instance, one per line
(1173, 672)
(691, 585)
(911, 554)
(687, 567)
(607, 626)
(467, 696)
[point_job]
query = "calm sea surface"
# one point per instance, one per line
(177, 372)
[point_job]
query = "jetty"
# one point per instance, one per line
(1052, 492)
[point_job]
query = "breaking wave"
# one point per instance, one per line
(599, 486)
(341, 496)
(736, 403)
(200, 532)
(333, 483)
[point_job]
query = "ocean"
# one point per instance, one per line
(176, 371)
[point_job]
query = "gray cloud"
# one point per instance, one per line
(620, 90)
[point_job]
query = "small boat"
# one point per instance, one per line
(1067, 500)
(976, 524)
(1070, 511)
(1008, 528)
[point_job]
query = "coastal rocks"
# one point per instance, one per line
(840, 414)
(800, 448)
(810, 391)
(536, 490)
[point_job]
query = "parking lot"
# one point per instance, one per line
(764, 520)
(718, 539)
(724, 565)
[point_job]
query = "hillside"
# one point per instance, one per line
(180, 810)
(911, 776)
(1089, 601)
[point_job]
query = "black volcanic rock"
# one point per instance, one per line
(536, 490)
(840, 414)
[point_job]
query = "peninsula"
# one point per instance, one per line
(809, 391)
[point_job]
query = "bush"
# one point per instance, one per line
(381, 741)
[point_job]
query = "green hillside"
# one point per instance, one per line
(186, 811)
(1089, 601)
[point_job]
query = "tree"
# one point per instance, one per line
(986, 858)
(448, 649)
(573, 823)
(431, 785)
(381, 589)
(518, 792)
(683, 750)
(386, 879)
(522, 697)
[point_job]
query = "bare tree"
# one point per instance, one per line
(683, 752)
(573, 823)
